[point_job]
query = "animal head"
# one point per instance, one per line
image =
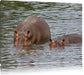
(54, 43)
(22, 38)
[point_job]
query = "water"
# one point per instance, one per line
(63, 18)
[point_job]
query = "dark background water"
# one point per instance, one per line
(63, 18)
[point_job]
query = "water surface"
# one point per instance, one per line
(63, 18)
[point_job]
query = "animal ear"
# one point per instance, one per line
(50, 40)
(16, 36)
(63, 40)
(15, 31)
(28, 33)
